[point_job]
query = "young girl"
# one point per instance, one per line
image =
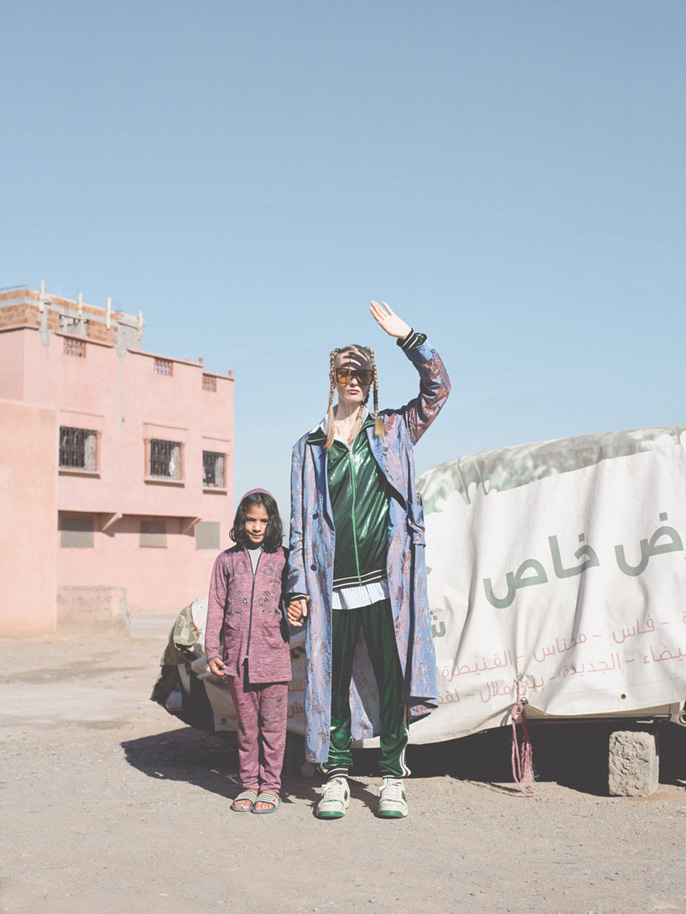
(245, 612)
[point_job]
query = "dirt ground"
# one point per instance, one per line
(111, 806)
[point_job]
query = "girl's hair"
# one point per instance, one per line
(274, 533)
(334, 357)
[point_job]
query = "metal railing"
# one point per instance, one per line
(78, 448)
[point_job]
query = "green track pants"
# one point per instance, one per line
(376, 621)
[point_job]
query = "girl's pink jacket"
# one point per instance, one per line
(247, 608)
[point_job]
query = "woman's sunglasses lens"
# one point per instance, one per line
(363, 375)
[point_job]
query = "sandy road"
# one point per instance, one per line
(110, 806)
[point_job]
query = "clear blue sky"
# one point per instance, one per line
(509, 176)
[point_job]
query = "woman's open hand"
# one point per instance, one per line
(389, 321)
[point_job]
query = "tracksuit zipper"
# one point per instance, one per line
(352, 476)
(252, 594)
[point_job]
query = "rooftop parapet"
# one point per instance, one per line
(23, 307)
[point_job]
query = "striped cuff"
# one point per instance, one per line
(336, 771)
(412, 340)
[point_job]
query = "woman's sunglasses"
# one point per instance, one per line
(345, 375)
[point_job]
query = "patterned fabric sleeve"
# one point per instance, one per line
(434, 387)
(296, 584)
(216, 605)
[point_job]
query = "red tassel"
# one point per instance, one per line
(522, 760)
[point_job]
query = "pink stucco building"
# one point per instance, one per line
(133, 464)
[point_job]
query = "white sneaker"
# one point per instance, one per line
(392, 800)
(335, 799)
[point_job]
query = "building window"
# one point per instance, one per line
(209, 383)
(213, 469)
(207, 534)
(153, 534)
(164, 366)
(165, 459)
(76, 532)
(78, 448)
(75, 347)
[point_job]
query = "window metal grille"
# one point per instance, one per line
(165, 458)
(209, 383)
(75, 347)
(164, 366)
(213, 469)
(78, 448)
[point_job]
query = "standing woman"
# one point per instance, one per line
(357, 564)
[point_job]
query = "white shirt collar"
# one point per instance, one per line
(324, 424)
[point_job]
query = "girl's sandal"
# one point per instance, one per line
(250, 795)
(266, 797)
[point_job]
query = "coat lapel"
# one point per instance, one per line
(387, 461)
(318, 455)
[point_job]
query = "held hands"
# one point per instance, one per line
(389, 321)
(297, 610)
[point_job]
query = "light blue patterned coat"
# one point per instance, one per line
(311, 560)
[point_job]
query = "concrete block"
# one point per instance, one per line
(91, 610)
(634, 763)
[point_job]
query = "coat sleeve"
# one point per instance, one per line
(434, 387)
(216, 605)
(283, 601)
(296, 583)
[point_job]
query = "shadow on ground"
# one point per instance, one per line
(573, 755)
(210, 762)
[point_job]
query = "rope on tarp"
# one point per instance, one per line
(522, 758)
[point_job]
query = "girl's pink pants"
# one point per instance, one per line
(262, 712)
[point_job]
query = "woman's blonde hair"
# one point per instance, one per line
(334, 357)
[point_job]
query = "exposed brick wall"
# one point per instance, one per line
(16, 315)
(23, 314)
(100, 333)
(18, 293)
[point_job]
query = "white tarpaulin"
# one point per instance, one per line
(558, 573)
